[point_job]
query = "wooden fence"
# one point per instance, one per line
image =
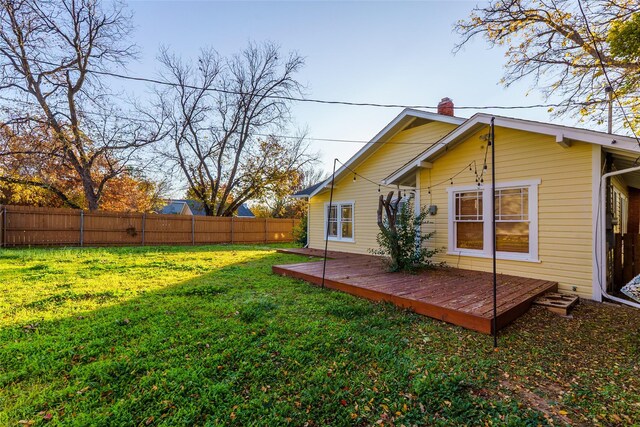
(31, 226)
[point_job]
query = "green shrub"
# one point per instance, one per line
(300, 231)
(405, 247)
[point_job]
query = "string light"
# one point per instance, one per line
(472, 166)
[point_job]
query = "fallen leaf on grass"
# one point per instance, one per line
(45, 415)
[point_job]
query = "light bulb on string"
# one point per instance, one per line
(354, 176)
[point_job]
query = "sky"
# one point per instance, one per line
(383, 52)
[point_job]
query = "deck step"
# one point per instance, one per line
(558, 303)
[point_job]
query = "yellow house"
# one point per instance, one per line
(554, 219)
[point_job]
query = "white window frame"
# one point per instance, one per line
(452, 222)
(487, 251)
(339, 206)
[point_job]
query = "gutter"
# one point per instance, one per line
(602, 234)
(306, 245)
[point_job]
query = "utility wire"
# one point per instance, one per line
(604, 71)
(140, 120)
(315, 100)
(337, 102)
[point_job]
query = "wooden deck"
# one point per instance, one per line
(461, 297)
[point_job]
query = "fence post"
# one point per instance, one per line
(193, 229)
(4, 226)
(82, 228)
(266, 223)
(232, 230)
(144, 216)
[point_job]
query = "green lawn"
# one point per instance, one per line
(208, 336)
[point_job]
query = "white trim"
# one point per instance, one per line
(603, 207)
(503, 256)
(599, 251)
(510, 184)
(387, 133)
(487, 249)
(338, 206)
(622, 142)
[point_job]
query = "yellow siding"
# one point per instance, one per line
(389, 157)
(565, 242)
(564, 203)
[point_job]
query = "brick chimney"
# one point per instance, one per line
(445, 107)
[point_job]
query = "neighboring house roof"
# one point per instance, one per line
(196, 208)
(244, 211)
(406, 118)
(306, 192)
(176, 207)
(564, 135)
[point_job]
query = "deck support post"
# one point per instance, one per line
(328, 223)
(494, 326)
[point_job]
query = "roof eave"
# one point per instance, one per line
(558, 131)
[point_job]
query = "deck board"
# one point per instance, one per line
(461, 297)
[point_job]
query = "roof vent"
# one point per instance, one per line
(445, 107)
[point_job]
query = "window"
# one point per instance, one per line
(512, 220)
(404, 200)
(619, 209)
(339, 221)
(470, 221)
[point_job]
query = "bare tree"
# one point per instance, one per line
(51, 54)
(225, 115)
(278, 203)
(548, 41)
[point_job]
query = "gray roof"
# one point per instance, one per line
(175, 207)
(306, 192)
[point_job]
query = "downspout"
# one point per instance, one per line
(306, 245)
(602, 234)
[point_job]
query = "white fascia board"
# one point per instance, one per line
(427, 154)
(387, 133)
(575, 134)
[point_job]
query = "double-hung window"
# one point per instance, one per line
(339, 221)
(516, 212)
(468, 220)
(512, 220)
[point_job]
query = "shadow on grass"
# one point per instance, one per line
(239, 345)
